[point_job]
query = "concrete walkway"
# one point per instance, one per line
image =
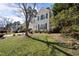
(16, 34)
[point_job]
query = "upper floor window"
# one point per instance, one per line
(42, 16)
(38, 18)
(46, 15)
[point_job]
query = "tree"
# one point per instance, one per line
(28, 11)
(16, 26)
(58, 7)
(8, 24)
(67, 19)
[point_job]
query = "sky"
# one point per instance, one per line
(43, 5)
(8, 11)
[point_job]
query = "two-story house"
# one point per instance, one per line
(42, 21)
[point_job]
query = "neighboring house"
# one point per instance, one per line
(15, 27)
(42, 21)
(2, 27)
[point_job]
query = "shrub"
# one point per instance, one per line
(1, 35)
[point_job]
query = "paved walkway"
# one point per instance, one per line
(9, 35)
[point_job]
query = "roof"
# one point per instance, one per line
(44, 11)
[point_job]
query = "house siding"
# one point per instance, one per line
(39, 23)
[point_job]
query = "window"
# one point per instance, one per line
(46, 15)
(38, 18)
(42, 26)
(45, 26)
(41, 17)
(38, 27)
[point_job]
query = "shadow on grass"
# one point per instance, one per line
(52, 45)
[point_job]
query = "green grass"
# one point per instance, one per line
(20, 45)
(24, 46)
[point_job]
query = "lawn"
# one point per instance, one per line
(25, 46)
(21, 45)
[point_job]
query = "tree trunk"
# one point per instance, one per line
(26, 28)
(27, 25)
(26, 33)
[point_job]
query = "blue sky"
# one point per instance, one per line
(8, 11)
(43, 5)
